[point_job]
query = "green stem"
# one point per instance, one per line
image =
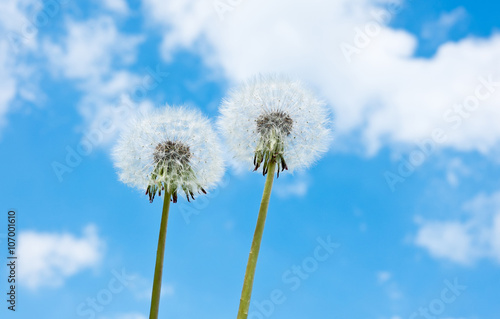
(155, 298)
(246, 293)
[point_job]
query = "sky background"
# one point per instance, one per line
(409, 191)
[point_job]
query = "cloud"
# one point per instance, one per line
(455, 170)
(48, 259)
(466, 240)
(92, 49)
(439, 30)
(9, 83)
(292, 185)
(383, 276)
(384, 97)
(97, 55)
(18, 38)
(18, 23)
(94, 53)
(389, 285)
(450, 240)
(117, 6)
(167, 290)
(141, 288)
(108, 106)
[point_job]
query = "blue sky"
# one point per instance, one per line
(70, 70)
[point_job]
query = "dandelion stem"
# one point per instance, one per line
(246, 293)
(155, 298)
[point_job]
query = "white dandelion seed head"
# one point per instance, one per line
(170, 151)
(275, 117)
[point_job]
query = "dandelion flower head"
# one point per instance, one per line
(170, 151)
(272, 119)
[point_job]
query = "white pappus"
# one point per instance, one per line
(172, 150)
(273, 118)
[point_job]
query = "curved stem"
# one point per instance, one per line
(246, 293)
(155, 298)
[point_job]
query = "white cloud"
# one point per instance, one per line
(383, 276)
(118, 6)
(95, 53)
(141, 288)
(18, 37)
(438, 30)
(48, 259)
(18, 23)
(90, 52)
(389, 285)
(109, 105)
(9, 82)
(450, 240)
(466, 240)
(455, 170)
(292, 185)
(167, 290)
(92, 49)
(384, 97)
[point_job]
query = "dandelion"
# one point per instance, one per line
(272, 124)
(273, 118)
(171, 152)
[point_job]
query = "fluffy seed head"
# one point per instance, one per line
(279, 121)
(272, 119)
(171, 150)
